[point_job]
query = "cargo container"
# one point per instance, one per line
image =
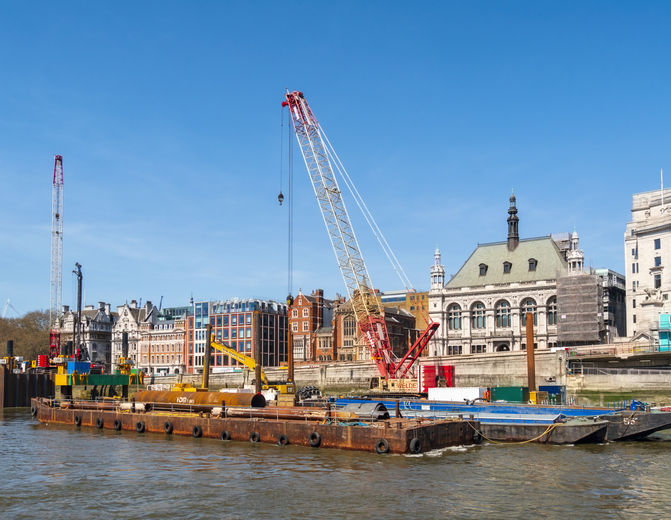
(457, 394)
(511, 394)
(82, 367)
(556, 393)
(435, 376)
(108, 379)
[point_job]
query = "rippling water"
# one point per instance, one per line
(55, 472)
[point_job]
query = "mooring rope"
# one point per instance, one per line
(547, 431)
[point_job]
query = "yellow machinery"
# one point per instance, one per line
(282, 387)
(125, 367)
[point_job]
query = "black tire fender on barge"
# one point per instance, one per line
(415, 445)
(33, 411)
(282, 440)
(197, 431)
(477, 437)
(139, 426)
(254, 437)
(117, 424)
(167, 427)
(315, 439)
(78, 420)
(381, 447)
(225, 436)
(100, 423)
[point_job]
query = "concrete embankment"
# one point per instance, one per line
(339, 377)
(553, 368)
(496, 369)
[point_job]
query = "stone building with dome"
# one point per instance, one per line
(482, 308)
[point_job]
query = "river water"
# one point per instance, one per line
(53, 472)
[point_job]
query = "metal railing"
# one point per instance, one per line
(594, 371)
(615, 349)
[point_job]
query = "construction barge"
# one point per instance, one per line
(246, 418)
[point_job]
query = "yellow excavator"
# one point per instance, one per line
(283, 387)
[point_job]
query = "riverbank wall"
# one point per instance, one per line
(616, 373)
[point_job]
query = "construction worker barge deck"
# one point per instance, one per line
(246, 418)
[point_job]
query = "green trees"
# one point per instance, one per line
(30, 334)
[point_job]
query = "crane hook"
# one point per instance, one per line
(280, 197)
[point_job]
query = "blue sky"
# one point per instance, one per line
(167, 115)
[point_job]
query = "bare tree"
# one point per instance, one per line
(30, 334)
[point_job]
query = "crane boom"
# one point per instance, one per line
(366, 305)
(56, 257)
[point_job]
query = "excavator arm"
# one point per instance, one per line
(239, 357)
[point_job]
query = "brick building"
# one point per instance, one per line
(311, 327)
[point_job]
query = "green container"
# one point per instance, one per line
(108, 379)
(511, 394)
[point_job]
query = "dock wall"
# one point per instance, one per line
(16, 390)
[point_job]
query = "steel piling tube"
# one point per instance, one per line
(201, 399)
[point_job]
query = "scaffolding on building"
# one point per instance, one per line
(579, 308)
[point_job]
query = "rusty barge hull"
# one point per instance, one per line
(397, 436)
(625, 426)
(587, 432)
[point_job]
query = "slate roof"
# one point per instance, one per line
(544, 250)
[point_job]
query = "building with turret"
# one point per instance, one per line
(483, 308)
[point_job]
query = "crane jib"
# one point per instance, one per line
(365, 304)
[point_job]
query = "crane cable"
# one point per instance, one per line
(290, 202)
(374, 227)
(366, 213)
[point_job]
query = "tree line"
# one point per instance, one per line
(30, 334)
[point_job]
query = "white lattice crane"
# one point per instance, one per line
(319, 155)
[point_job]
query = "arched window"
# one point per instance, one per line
(454, 317)
(478, 319)
(552, 311)
(503, 314)
(528, 305)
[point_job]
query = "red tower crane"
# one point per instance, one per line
(318, 155)
(56, 258)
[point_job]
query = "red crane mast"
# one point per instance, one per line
(56, 258)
